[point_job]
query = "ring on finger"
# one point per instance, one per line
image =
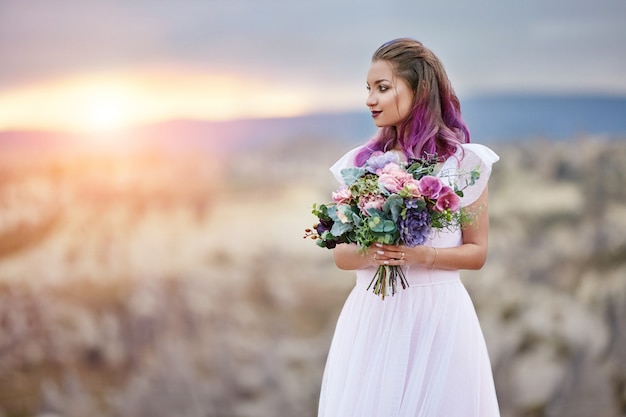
(402, 256)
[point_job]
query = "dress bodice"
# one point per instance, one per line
(455, 169)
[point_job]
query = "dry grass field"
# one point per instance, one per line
(152, 284)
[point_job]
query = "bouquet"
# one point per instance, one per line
(391, 202)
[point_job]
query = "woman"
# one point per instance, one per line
(420, 353)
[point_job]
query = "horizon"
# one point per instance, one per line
(466, 104)
(490, 119)
(109, 126)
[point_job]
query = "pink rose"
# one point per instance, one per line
(371, 201)
(392, 177)
(430, 186)
(448, 200)
(390, 182)
(342, 195)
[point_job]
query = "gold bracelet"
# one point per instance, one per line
(432, 265)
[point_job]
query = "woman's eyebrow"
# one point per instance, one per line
(381, 80)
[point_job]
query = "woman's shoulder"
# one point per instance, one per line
(477, 150)
(470, 155)
(468, 159)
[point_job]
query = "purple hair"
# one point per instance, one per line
(434, 124)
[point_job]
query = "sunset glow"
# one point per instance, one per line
(106, 112)
(109, 101)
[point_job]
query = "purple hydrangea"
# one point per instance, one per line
(379, 160)
(415, 227)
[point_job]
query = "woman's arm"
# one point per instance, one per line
(471, 254)
(348, 258)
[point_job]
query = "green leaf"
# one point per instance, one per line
(340, 228)
(385, 226)
(394, 205)
(331, 213)
(376, 213)
(321, 211)
(386, 239)
(356, 218)
(388, 226)
(350, 175)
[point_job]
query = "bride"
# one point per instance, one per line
(420, 353)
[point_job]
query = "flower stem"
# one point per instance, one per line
(387, 276)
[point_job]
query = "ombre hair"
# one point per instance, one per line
(434, 124)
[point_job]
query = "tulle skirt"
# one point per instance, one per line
(420, 353)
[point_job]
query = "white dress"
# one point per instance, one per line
(421, 352)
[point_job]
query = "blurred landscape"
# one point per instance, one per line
(162, 271)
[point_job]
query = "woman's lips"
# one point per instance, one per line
(375, 114)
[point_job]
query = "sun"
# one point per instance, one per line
(106, 107)
(105, 114)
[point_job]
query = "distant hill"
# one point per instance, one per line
(490, 119)
(506, 117)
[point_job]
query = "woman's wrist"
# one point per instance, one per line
(433, 261)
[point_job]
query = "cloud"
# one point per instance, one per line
(485, 45)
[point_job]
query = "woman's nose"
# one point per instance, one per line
(371, 101)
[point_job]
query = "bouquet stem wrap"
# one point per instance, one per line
(387, 276)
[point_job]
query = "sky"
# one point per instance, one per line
(84, 65)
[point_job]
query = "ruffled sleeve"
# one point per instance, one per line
(469, 157)
(346, 161)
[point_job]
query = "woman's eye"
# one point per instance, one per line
(383, 88)
(367, 87)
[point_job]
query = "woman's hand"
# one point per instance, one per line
(348, 257)
(402, 255)
(389, 254)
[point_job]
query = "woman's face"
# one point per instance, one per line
(390, 98)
